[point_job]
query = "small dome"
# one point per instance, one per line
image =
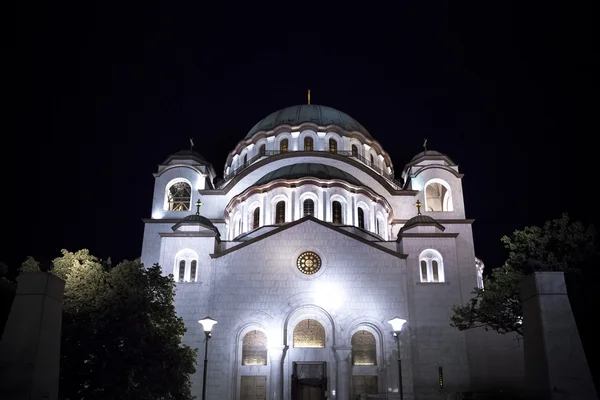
(421, 220)
(430, 153)
(296, 115)
(296, 171)
(196, 219)
(186, 155)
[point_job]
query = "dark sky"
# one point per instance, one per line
(106, 91)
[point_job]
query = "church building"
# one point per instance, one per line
(330, 274)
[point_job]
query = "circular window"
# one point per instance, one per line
(309, 263)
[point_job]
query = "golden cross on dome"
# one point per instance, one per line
(191, 143)
(198, 205)
(418, 204)
(425, 144)
(308, 96)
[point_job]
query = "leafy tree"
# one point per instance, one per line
(559, 245)
(30, 265)
(3, 269)
(121, 337)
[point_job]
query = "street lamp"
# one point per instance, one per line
(207, 324)
(397, 324)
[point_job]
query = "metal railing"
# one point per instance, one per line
(269, 153)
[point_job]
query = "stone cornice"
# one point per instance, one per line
(468, 221)
(323, 183)
(189, 234)
(193, 167)
(444, 167)
(427, 235)
(176, 220)
(295, 154)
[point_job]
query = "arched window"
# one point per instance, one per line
(431, 266)
(186, 266)
(280, 212)
(364, 348)
(309, 333)
(245, 159)
(193, 269)
(308, 207)
(336, 210)
(181, 277)
(354, 151)
(254, 348)
(332, 146)
(283, 146)
(308, 143)
(179, 196)
(262, 150)
(372, 161)
(361, 218)
(437, 196)
(256, 218)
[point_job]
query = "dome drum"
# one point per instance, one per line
(308, 128)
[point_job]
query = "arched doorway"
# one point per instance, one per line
(309, 378)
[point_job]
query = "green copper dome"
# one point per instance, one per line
(296, 171)
(296, 115)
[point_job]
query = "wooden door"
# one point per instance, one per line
(294, 387)
(363, 384)
(309, 381)
(254, 388)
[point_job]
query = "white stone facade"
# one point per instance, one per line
(238, 263)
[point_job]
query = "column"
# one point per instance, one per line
(326, 216)
(320, 211)
(372, 217)
(352, 213)
(344, 369)
(276, 377)
(263, 211)
(245, 227)
(293, 202)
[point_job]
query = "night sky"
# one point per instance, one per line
(107, 91)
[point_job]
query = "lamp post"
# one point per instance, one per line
(207, 324)
(397, 324)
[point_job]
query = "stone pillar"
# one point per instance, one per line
(269, 211)
(293, 201)
(245, 218)
(276, 354)
(344, 370)
(372, 218)
(263, 210)
(320, 212)
(326, 216)
(555, 363)
(30, 345)
(353, 216)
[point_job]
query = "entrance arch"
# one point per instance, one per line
(309, 368)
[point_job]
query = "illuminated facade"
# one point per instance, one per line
(305, 249)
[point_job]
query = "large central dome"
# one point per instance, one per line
(296, 115)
